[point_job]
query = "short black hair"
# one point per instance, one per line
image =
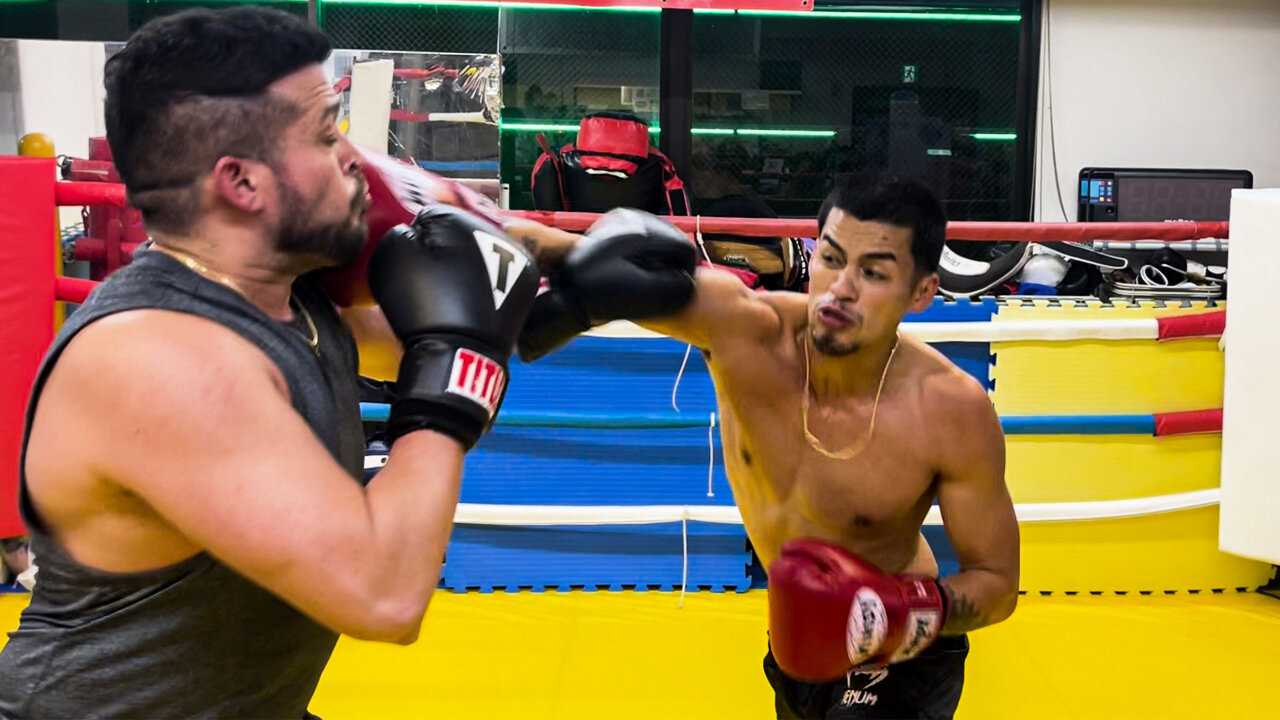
(190, 88)
(899, 202)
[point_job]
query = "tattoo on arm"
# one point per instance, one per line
(964, 615)
(549, 248)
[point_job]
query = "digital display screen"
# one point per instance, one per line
(1098, 190)
(1152, 199)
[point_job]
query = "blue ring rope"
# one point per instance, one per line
(1013, 425)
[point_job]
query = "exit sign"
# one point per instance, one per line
(909, 73)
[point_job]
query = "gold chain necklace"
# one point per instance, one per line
(858, 447)
(312, 339)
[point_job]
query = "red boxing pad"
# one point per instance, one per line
(397, 191)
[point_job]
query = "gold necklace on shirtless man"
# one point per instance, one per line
(838, 437)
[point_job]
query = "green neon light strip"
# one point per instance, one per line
(762, 132)
(537, 127)
(887, 15)
(787, 133)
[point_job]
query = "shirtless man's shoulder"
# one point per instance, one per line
(779, 316)
(791, 308)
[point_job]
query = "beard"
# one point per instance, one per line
(339, 241)
(827, 344)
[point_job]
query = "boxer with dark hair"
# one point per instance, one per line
(192, 469)
(839, 434)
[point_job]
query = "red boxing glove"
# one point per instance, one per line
(398, 190)
(831, 611)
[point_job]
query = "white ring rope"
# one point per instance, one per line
(551, 515)
(711, 448)
(697, 234)
(977, 332)
(675, 387)
(1020, 330)
(684, 558)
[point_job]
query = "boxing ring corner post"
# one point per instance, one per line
(40, 145)
(28, 268)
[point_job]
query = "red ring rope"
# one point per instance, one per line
(1195, 422)
(1204, 325)
(982, 231)
(91, 193)
(72, 290)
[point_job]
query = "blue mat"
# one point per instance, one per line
(973, 358)
(587, 466)
(613, 557)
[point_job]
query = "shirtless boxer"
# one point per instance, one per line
(192, 470)
(839, 433)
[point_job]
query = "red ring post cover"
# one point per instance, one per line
(28, 247)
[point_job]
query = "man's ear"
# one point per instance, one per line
(926, 289)
(241, 183)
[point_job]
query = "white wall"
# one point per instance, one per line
(10, 98)
(61, 96)
(62, 91)
(1157, 83)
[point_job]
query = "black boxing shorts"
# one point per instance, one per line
(926, 686)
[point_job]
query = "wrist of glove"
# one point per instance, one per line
(629, 266)
(451, 384)
(555, 318)
(456, 293)
(896, 621)
(925, 604)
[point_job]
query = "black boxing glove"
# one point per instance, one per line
(629, 266)
(456, 292)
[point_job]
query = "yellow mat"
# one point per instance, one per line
(1088, 468)
(1096, 377)
(1166, 551)
(635, 655)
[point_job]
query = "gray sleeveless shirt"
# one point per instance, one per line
(194, 639)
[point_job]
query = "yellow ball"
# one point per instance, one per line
(36, 145)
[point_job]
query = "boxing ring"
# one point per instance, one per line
(598, 567)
